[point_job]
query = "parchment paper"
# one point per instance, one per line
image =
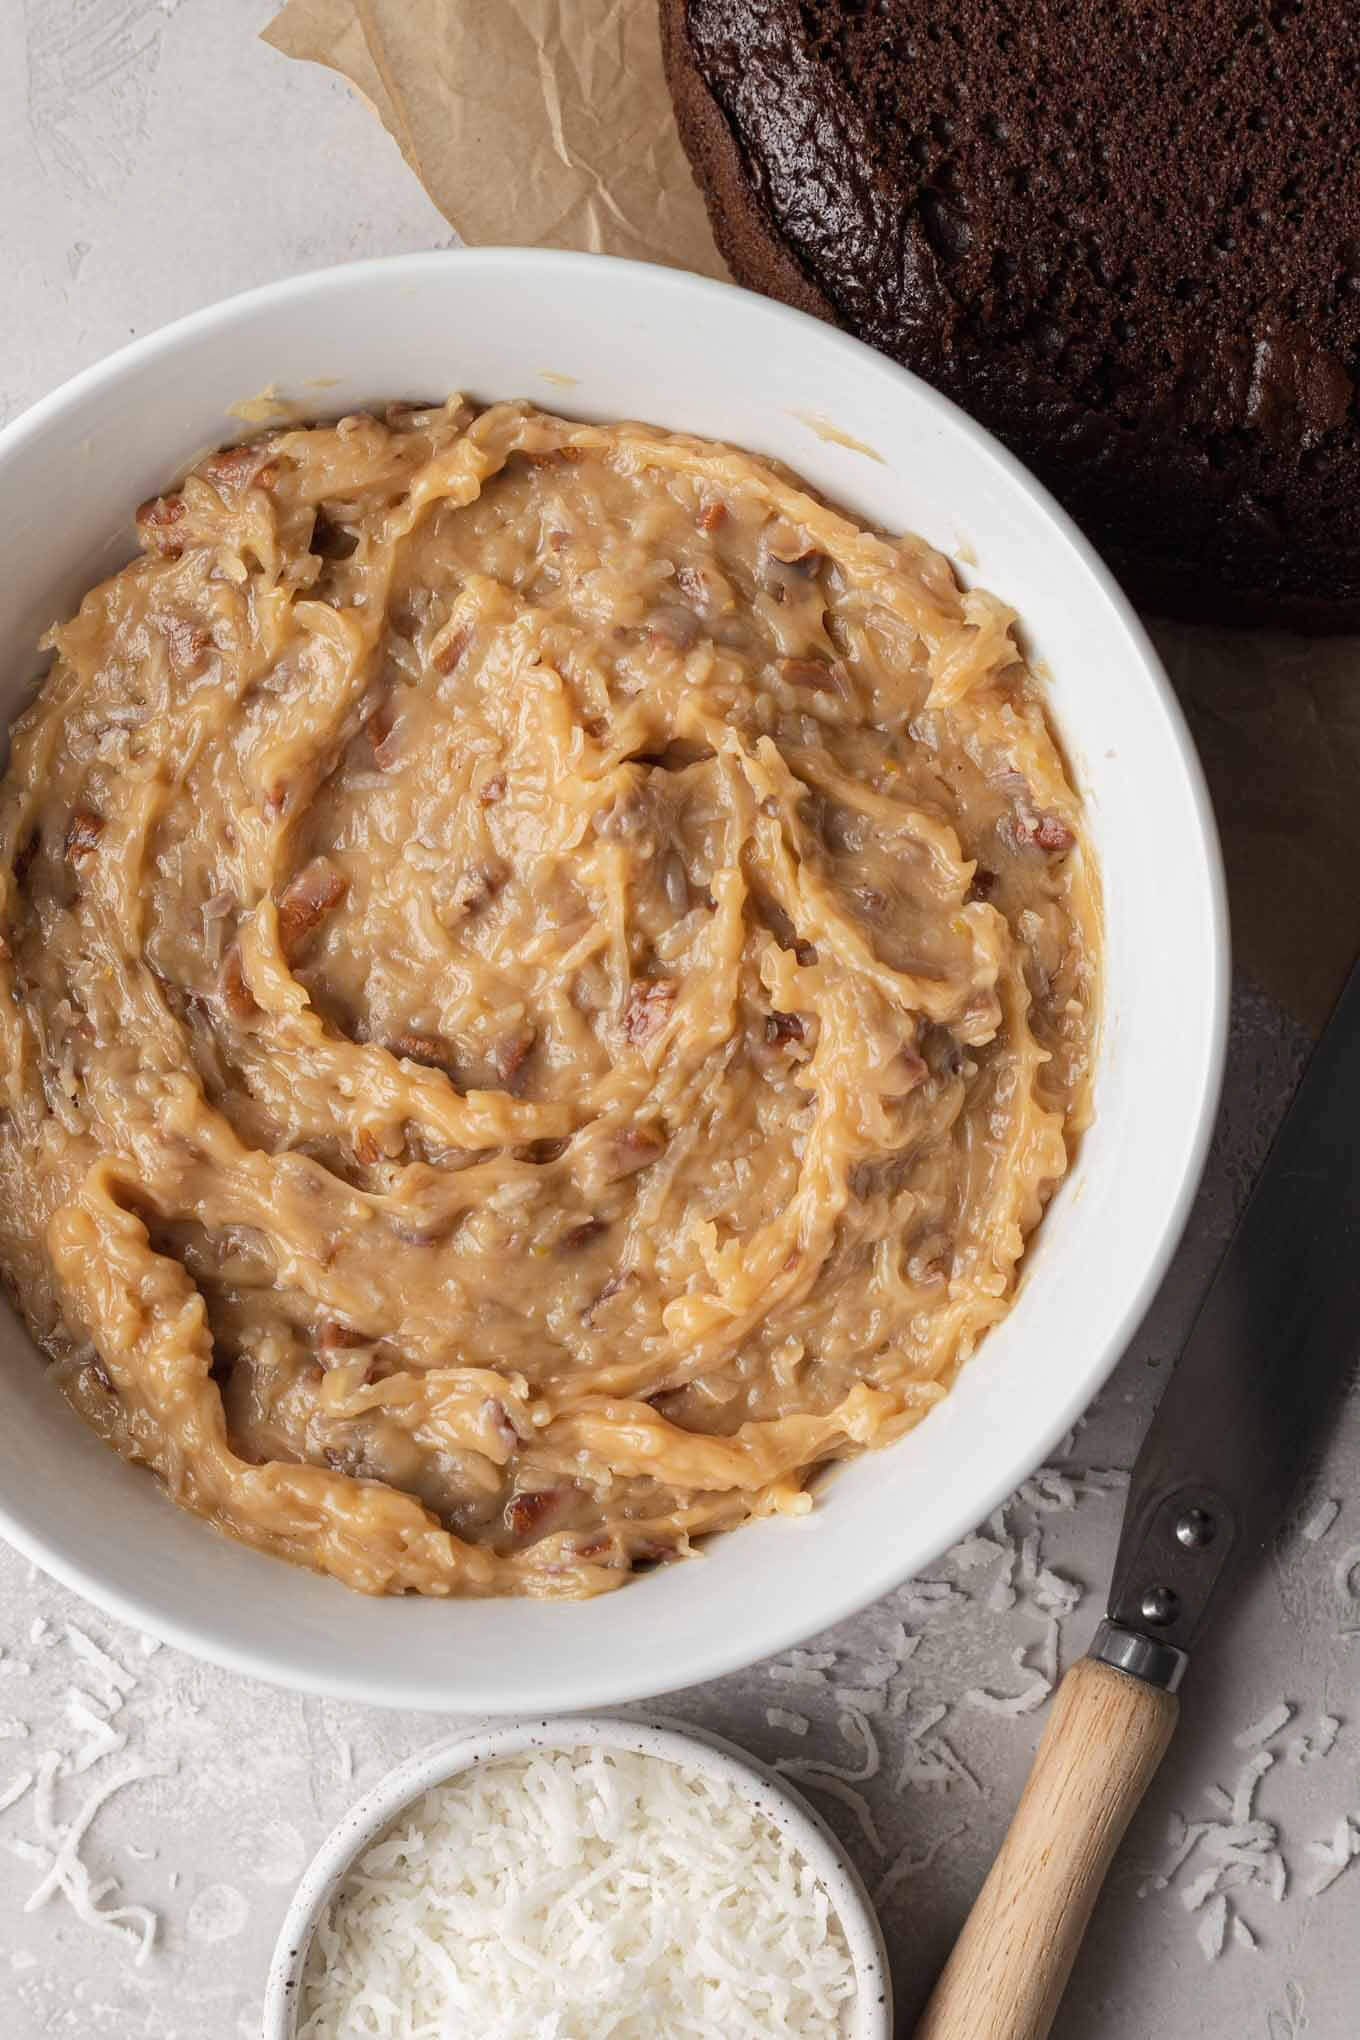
(547, 123)
(544, 123)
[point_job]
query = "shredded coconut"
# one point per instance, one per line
(118, 1680)
(65, 1872)
(1212, 1928)
(1048, 1490)
(1335, 1855)
(924, 1598)
(1270, 1724)
(1008, 1703)
(1248, 1778)
(12, 1793)
(908, 1866)
(1055, 1594)
(974, 1552)
(867, 1699)
(1321, 1521)
(1307, 1749)
(573, 1894)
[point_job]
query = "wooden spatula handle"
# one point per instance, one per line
(1104, 1740)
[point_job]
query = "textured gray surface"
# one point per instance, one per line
(153, 157)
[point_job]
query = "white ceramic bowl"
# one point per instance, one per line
(692, 1748)
(659, 345)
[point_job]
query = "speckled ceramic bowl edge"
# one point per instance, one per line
(656, 1736)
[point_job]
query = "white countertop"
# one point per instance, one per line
(154, 156)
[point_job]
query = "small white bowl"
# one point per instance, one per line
(606, 339)
(693, 1749)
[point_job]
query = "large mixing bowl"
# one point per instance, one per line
(604, 339)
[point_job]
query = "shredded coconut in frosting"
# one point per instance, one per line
(546, 978)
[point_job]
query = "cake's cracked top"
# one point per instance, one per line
(1127, 239)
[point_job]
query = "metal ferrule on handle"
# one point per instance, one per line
(1142, 1657)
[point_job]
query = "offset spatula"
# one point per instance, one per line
(1246, 1408)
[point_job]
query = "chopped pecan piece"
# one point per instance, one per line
(647, 1008)
(452, 649)
(552, 454)
(332, 1336)
(426, 1049)
(479, 886)
(1053, 835)
(306, 900)
(366, 1149)
(529, 1511)
(1045, 832)
(331, 541)
(232, 467)
(711, 515)
(617, 1282)
(510, 1053)
(540, 1152)
(787, 563)
(675, 626)
(808, 562)
(676, 756)
(581, 1235)
(232, 988)
(907, 1069)
(637, 1147)
(388, 749)
(649, 1551)
(82, 833)
(187, 643)
(498, 1420)
(782, 1027)
(156, 521)
(24, 856)
(382, 727)
(945, 1055)
(818, 673)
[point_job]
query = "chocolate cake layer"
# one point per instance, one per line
(1126, 238)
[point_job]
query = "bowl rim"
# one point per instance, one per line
(585, 1688)
(694, 1749)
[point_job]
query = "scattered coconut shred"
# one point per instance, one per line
(579, 1895)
